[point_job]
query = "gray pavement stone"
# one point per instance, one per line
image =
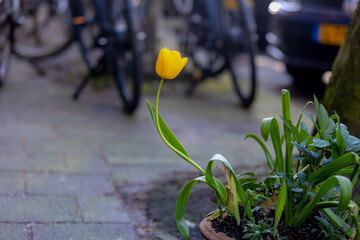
(102, 209)
(85, 163)
(13, 232)
(22, 162)
(68, 184)
(148, 150)
(140, 174)
(84, 232)
(11, 183)
(37, 209)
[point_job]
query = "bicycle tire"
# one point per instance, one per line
(126, 60)
(5, 41)
(240, 54)
(36, 40)
(202, 42)
(88, 33)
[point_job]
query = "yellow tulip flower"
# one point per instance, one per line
(169, 63)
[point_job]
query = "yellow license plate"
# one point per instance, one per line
(332, 34)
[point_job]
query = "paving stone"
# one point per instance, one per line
(39, 163)
(11, 183)
(84, 232)
(141, 174)
(13, 232)
(139, 151)
(78, 154)
(85, 162)
(53, 184)
(37, 209)
(9, 145)
(102, 209)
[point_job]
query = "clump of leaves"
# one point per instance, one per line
(315, 180)
(261, 230)
(327, 231)
(319, 181)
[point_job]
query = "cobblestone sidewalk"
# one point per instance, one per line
(63, 162)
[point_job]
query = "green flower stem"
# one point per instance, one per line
(162, 135)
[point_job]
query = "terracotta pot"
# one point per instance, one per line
(209, 232)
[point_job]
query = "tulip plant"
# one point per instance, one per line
(317, 181)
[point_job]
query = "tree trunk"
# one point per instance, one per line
(343, 93)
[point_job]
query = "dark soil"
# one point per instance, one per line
(156, 201)
(153, 205)
(229, 227)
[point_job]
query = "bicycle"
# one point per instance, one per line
(105, 31)
(8, 10)
(220, 36)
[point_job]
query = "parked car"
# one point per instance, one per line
(306, 35)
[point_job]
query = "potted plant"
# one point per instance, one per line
(306, 195)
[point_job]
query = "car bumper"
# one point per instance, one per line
(294, 36)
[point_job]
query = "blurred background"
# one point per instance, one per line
(74, 125)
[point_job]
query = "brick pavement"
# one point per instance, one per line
(63, 162)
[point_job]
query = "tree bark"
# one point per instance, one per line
(343, 93)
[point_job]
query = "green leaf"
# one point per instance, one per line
(301, 177)
(308, 115)
(276, 141)
(335, 165)
(252, 186)
(280, 203)
(335, 151)
(169, 136)
(304, 132)
(304, 127)
(269, 159)
(353, 144)
(247, 235)
(322, 115)
(297, 190)
(288, 128)
(292, 128)
(340, 142)
(300, 117)
(338, 221)
(265, 128)
(344, 132)
(320, 143)
(240, 190)
(247, 180)
(344, 199)
(304, 150)
(181, 205)
(233, 199)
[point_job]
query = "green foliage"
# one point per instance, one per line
(318, 181)
(327, 167)
(261, 230)
(229, 197)
(327, 231)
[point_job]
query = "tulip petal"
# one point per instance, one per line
(161, 62)
(169, 63)
(180, 65)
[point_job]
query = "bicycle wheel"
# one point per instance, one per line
(125, 57)
(240, 51)
(5, 43)
(44, 29)
(202, 42)
(88, 31)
